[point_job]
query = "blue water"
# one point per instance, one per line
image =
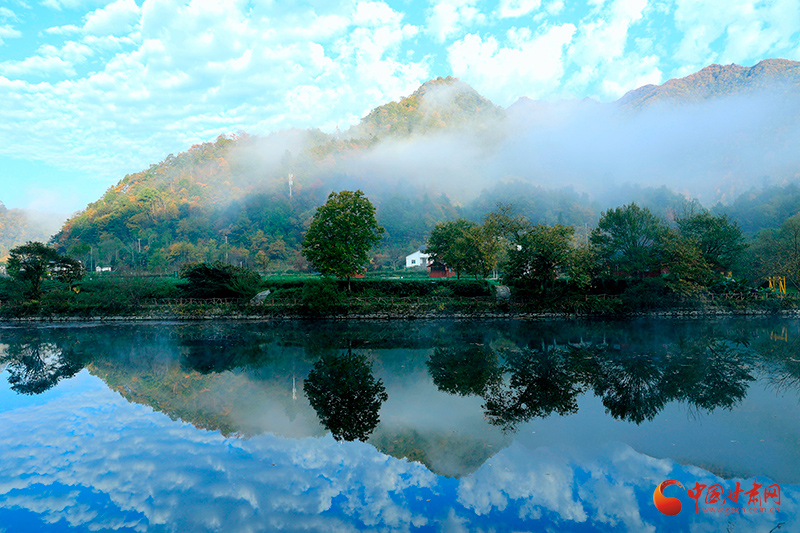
(141, 440)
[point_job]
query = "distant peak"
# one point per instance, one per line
(717, 80)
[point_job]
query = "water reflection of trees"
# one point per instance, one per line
(538, 383)
(345, 395)
(36, 364)
(519, 384)
(464, 371)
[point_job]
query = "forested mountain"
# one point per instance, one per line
(440, 104)
(249, 200)
(446, 152)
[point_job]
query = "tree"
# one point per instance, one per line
(32, 262)
(463, 246)
(777, 252)
(536, 257)
(464, 370)
(627, 240)
(685, 261)
(341, 234)
(720, 240)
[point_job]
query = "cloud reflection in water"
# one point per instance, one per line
(90, 460)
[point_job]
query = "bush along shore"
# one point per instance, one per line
(153, 298)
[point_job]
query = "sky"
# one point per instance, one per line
(92, 90)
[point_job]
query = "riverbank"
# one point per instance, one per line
(148, 300)
(246, 312)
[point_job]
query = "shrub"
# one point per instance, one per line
(321, 296)
(219, 280)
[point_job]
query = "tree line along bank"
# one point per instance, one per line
(631, 260)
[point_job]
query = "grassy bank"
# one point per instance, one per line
(314, 297)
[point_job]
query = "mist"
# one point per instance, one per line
(711, 151)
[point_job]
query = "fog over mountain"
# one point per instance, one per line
(446, 151)
(711, 135)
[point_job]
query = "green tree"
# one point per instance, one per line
(719, 239)
(32, 262)
(627, 240)
(685, 261)
(537, 256)
(341, 235)
(464, 370)
(464, 247)
(777, 252)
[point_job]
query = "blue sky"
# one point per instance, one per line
(94, 89)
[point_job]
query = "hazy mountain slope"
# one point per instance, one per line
(18, 226)
(714, 81)
(445, 151)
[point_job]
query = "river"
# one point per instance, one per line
(400, 425)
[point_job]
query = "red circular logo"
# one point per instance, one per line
(665, 504)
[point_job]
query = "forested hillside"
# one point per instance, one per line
(442, 153)
(248, 200)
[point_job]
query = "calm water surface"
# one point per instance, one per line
(383, 426)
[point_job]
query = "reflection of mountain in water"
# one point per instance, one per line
(456, 392)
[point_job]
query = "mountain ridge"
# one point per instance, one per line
(247, 199)
(717, 80)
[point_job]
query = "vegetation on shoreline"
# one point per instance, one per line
(632, 261)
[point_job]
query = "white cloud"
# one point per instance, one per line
(373, 14)
(749, 29)
(113, 19)
(555, 7)
(630, 73)
(37, 66)
(605, 58)
(50, 61)
(7, 14)
(450, 17)
(175, 73)
(517, 8)
(68, 29)
(528, 64)
(602, 39)
(8, 32)
(72, 4)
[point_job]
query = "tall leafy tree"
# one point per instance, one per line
(627, 240)
(719, 239)
(464, 246)
(777, 252)
(341, 235)
(536, 257)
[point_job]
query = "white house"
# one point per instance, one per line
(417, 259)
